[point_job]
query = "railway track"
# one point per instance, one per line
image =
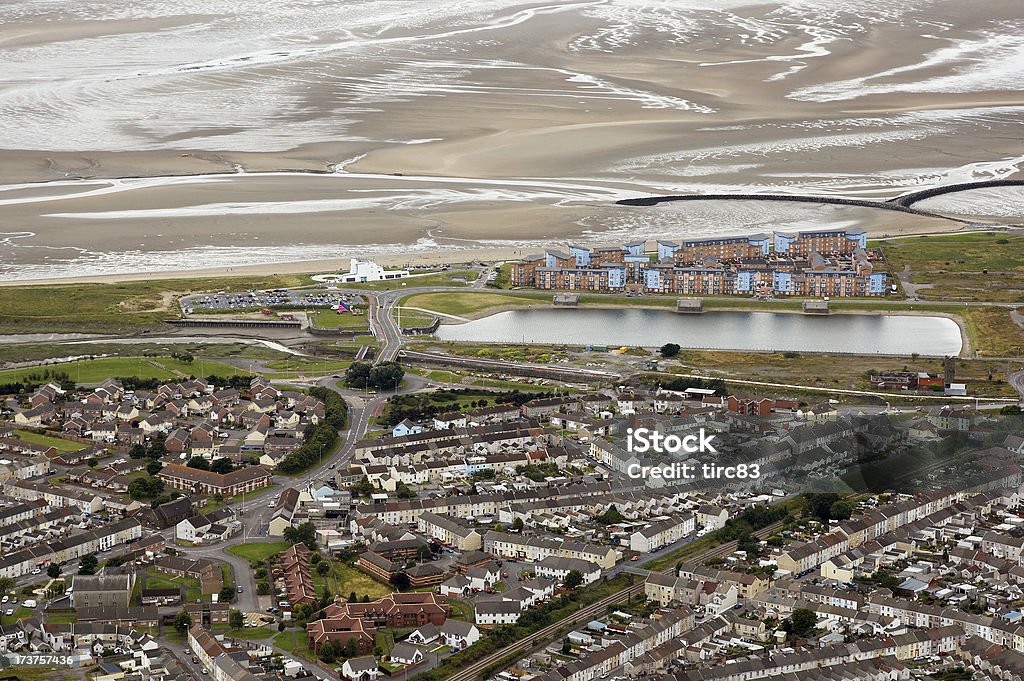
(474, 671)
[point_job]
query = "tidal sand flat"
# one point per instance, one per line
(525, 123)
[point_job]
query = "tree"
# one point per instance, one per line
(400, 581)
(235, 619)
(263, 587)
(517, 525)
(610, 517)
(92, 462)
(350, 650)
(137, 452)
(227, 594)
(402, 491)
(88, 564)
(6, 584)
(330, 651)
(323, 568)
(387, 375)
(801, 623)
(820, 504)
(363, 488)
(358, 374)
(222, 465)
(182, 622)
(840, 510)
(199, 462)
(747, 542)
(156, 449)
(154, 467)
(669, 350)
(53, 570)
(573, 579)
(365, 598)
(302, 534)
(352, 597)
(145, 488)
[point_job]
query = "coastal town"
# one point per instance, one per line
(613, 340)
(244, 528)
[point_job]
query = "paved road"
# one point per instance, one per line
(1017, 381)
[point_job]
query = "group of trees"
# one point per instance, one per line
(419, 406)
(145, 488)
(363, 488)
(154, 450)
(801, 623)
(539, 471)
(332, 651)
(386, 375)
(302, 534)
(742, 526)
(219, 465)
(322, 439)
(88, 564)
(826, 506)
(612, 516)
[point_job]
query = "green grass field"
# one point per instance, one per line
(156, 580)
(473, 303)
(329, 319)
(96, 370)
(295, 642)
(251, 633)
(57, 443)
(258, 551)
(461, 610)
(309, 364)
(414, 319)
(344, 579)
(19, 612)
(967, 252)
(974, 266)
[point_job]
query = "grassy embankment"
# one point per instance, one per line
(39, 352)
(114, 308)
(973, 266)
(847, 372)
(96, 370)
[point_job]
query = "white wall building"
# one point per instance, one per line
(365, 270)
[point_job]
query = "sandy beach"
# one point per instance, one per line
(299, 136)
